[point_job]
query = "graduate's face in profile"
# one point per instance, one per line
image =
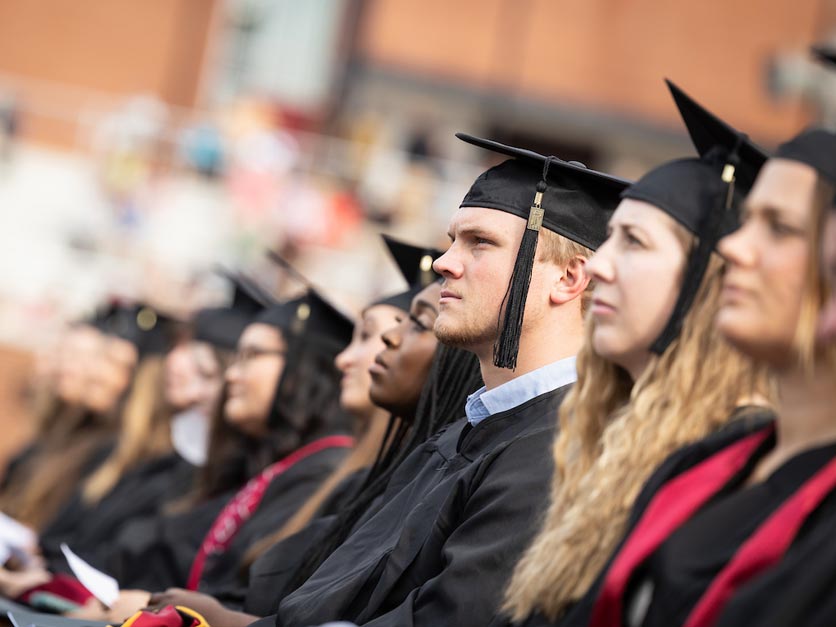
(763, 287)
(827, 326)
(400, 371)
(76, 353)
(110, 374)
(638, 271)
(252, 378)
(355, 360)
(193, 376)
(476, 270)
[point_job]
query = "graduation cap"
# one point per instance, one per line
(143, 326)
(416, 266)
(562, 196)
(815, 147)
(223, 326)
(310, 316)
(711, 134)
(702, 194)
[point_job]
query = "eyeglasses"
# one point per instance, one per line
(245, 355)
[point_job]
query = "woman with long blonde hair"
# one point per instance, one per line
(725, 525)
(653, 374)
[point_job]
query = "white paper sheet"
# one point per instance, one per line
(190, 436)
(15, 535)
(104, 587)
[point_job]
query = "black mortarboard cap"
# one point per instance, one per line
(143, 326)
(711, 135)
(562, 196)
(310, 316)
(702, 194)
(815, 147)
(223, 326)
(687, 190)
(416, 266)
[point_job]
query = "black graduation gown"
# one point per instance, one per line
(89, 529)
(686, 564)
(801, 588)
(454, 519)
(255, 592)
(92, 459)
(274, 570)
(680, 461)
(284, 496)
(155, 554)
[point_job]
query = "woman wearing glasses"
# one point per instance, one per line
(273, 443)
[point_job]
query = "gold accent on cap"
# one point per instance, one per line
(426, 263)
(303, 311)
(536, 213)
(728, 173)
(146, 319)
(535, 218)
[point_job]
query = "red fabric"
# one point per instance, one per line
(672, 506)
(62, 586)
(766, 547)
(246, 501)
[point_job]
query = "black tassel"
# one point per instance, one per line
(507, 345)
(698, 260)
(694, 272)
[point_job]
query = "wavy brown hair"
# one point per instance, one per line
(144, 431)
(817, 291)
(613, 434)
(46, 480)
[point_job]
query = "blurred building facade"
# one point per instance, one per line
(177, 133)
(548, 70)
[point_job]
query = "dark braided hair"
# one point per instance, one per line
(454, 374)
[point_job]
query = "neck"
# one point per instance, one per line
(805, 410)
(637, 365)
(370, 422)
(538, 347)
(369, 440)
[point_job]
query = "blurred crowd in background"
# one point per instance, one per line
(143, 145)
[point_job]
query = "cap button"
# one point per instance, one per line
(146, 319)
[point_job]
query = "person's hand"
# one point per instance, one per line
(208, 607)
(127, 604)
(15, 583)
(92, 610)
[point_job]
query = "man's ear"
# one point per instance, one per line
(572, 283)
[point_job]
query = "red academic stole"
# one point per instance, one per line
(246, 501)
(681, 498)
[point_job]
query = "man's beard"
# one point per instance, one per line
(465, 335)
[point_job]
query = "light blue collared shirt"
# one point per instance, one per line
(483, 403)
